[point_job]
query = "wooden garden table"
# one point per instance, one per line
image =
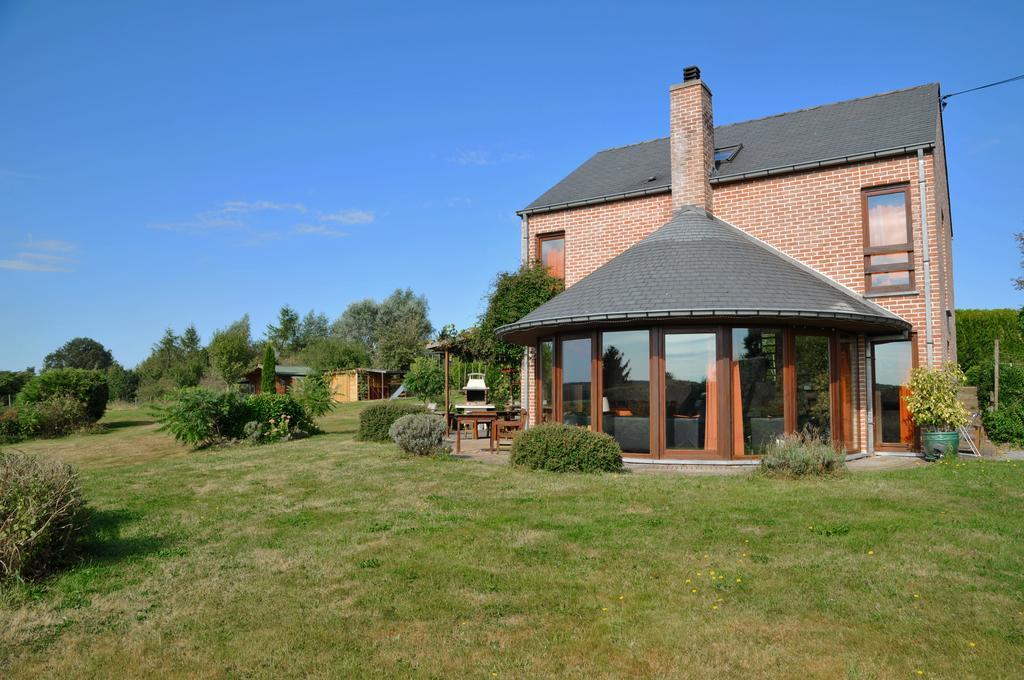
(477, 418)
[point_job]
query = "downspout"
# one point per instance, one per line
(868, 378)
(927, 258)
(524, 258)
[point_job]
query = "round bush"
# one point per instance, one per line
(565, 448)
(42, 511)
(88, 387)
(418, 433)
(801, 455)
(269, 406)
(1005, 425)
(375, 421)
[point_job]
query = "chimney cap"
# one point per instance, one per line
(691, 73)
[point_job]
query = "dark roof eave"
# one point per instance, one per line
(723, 179)
(507, 330)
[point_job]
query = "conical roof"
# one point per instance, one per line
(699, 267)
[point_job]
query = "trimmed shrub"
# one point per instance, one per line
(88, 387)
(375, 421)
(42, 512)
(56, 416)
(1005, 425)
(976, 329)
(565, 448)
(200, 418)
(418, 433)
(268, 371)
(801, 455)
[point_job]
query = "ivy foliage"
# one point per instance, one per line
(513, 296)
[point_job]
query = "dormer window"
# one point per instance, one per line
(726, 154)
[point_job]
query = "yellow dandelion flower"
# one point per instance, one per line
(971, 644)
(698, 573)
(693, 590)
(622, 597)
(689, 580)
(916, 596)
(919, 671)
(714, 606)
(604, 609)
(712, 572)
(744, 554)
(871, 552)
(739, 580)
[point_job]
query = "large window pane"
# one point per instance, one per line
(546, 379)
(691, 404)
(626, 406)
(813, 406)
(576, 364)
(552, 255)
(887, 219)
(893, 424)
(757, 387)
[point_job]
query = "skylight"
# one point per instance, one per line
(726, 154)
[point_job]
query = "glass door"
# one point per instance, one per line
(758, 406)
(690, 394)
(577, 372)
(626, 389)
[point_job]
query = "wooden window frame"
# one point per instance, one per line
(550, 236)
(870, 250)
(843, 412)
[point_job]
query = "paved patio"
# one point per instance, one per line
(476, 450)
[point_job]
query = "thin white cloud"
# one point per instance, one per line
(54, 245)
(261, 206)
(479, 157)
(318, 230)
(473, 157)
(350, 217)
(48, 255)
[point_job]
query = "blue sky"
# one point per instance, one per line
(167, 163)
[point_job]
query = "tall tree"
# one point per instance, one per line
(334, 354)
(358, 324)
(402, 330)
(312, 327)
(284, 333)
(79, 353)
(190, 340)
(231, 351)
(268, 370)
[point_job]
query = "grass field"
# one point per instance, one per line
(332, 558)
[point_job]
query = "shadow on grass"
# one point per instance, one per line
(104, 541)
(121, 424)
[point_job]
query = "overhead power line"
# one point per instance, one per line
(982, 87)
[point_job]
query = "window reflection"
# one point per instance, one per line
(813, 406)
(546, 365)
(626, 406)
(576, 365)
(893, 424)
(757, 388)
(691, 404)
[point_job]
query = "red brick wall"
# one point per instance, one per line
(813, 216)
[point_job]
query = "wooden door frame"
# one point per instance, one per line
(876, 436)
(723, 396)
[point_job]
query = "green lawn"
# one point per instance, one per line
(332, 558)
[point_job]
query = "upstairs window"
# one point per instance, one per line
(551, 253)
(888, 248)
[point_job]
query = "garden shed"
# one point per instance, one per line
(362, 384)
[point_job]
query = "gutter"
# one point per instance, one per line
(725, 179)
(869, 390)
(706, 313)
(923, 195)
(524, 387)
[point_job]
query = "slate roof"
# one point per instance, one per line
(696, 266)
(882, 123)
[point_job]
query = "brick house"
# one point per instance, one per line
(726, 285)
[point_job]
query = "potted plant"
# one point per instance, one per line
(936, 409)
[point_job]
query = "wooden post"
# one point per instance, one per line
(447, 388)
(995, 391)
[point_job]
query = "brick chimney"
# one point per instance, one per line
(692, 139)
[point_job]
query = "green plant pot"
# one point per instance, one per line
(936, 444)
